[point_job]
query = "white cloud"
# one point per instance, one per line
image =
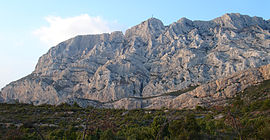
(61, 29)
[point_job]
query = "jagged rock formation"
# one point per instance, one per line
(216, 92)
(116, 70)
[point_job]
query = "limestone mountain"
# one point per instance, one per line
(136, 69)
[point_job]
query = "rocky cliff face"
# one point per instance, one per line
(150, 59)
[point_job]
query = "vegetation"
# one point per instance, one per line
(173, 93)
(179, 92)
(247, 116)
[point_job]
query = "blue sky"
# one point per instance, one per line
(29, 28)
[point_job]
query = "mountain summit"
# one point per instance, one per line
(144, 66)
(151, 28)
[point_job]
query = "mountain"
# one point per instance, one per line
(145, 66)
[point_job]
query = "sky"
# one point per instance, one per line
(29, 28)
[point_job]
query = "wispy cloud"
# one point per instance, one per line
(61, 29)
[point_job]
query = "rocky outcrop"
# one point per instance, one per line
(217, 91)
(123, 70)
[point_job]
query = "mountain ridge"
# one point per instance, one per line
(148, 60)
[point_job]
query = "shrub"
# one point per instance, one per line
(159, 123)
(107, 135)
(185, 129)
(265, 105)
(265, 133)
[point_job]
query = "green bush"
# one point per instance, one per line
(136, 133)
(255, 105)
(57, 134)
(211, 127)
(107, 135)
(265, 105)
(187, 128)
(264, 133)
(159, 123)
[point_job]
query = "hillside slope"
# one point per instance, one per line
(246, 116)
(150, 59)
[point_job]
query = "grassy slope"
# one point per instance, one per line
(246, 116)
